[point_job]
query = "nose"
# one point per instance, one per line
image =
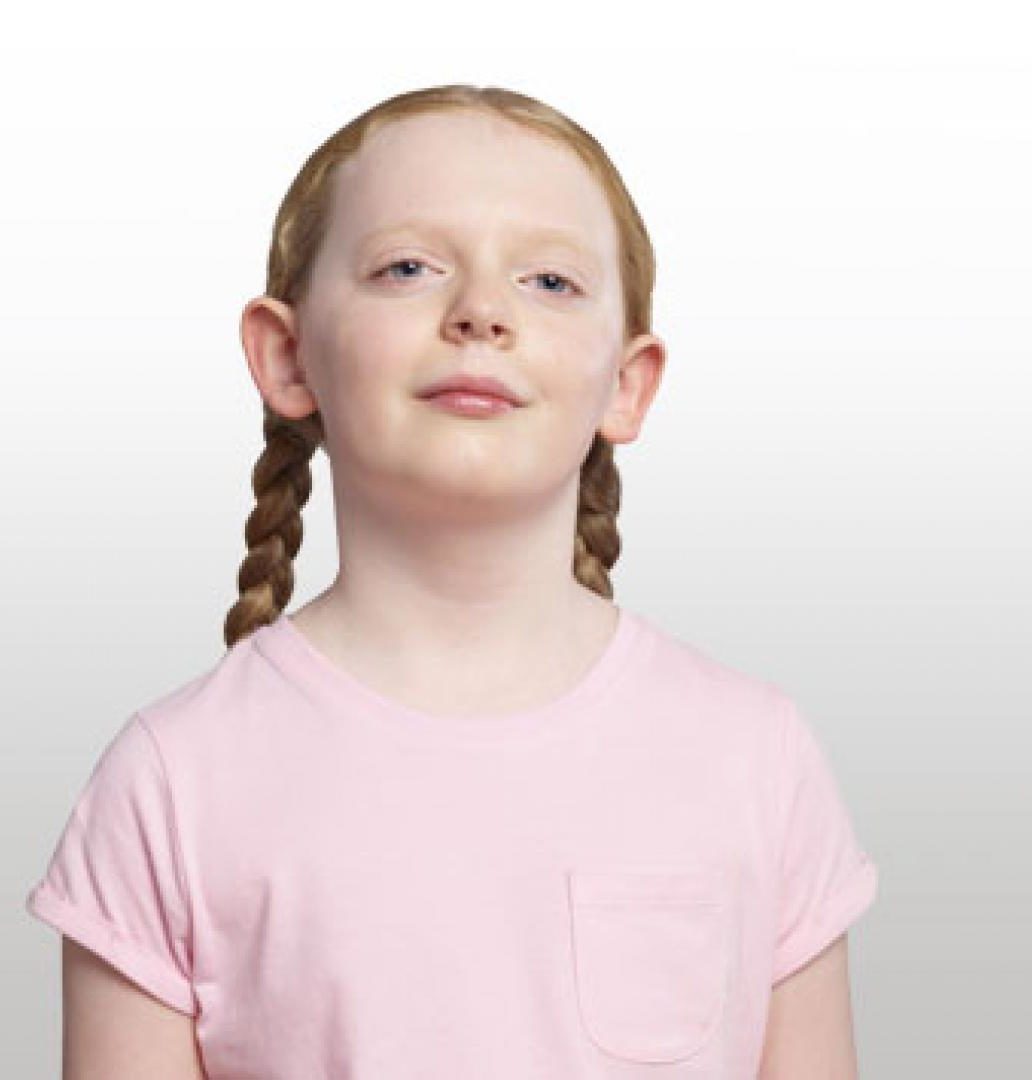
(477, 319)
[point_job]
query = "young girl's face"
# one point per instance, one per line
(443, 255)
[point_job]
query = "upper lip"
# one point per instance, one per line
(474, 384)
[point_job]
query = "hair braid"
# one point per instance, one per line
(282, 482)
(597, 542)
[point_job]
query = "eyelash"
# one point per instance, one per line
(382, 272)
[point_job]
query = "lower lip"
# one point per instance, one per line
(467, 404)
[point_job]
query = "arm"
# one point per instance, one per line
(809, 1023)
(114, 1030)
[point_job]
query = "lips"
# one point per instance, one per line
(485, 385)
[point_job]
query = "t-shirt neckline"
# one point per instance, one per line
(283, 644)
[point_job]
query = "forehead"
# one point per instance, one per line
(470, 173)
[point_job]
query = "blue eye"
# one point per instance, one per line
(398, 262)
(385, 272)
(558, 277)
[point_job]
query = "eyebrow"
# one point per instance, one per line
(555, 235)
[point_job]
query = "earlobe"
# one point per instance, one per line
(294, 402)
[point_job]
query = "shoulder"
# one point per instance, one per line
(714, 692)
(210, 715)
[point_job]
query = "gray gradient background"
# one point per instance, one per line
(831, 491)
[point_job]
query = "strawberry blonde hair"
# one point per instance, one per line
(282, 478)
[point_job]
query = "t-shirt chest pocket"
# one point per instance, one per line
(650, 952)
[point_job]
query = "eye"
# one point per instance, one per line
(571, 287)
(383, 271)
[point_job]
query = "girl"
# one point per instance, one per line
(461, 815)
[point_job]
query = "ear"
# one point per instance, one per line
(635, 383)
(269, 335)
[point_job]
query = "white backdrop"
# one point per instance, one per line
(831, 490)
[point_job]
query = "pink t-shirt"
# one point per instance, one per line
(336, 885)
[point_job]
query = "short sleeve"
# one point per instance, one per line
(114, 882)
(826, 879)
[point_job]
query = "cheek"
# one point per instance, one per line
(368, 354)
(581, 369)
(382, 328)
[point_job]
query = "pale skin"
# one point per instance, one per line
(809, 1032)
(456, 533)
